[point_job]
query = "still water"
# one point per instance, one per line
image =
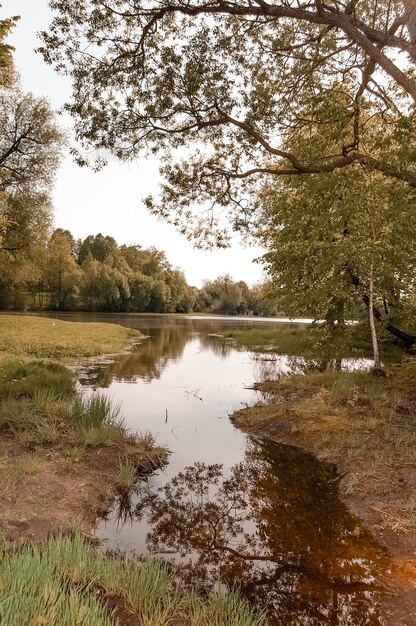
(228, 508)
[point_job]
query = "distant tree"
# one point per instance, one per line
(140, 292)
(159, 297)
(103, 287)
(221, 295)
(61, 272)
(99, 246)
(182, 297)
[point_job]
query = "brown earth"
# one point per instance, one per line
(58, 494)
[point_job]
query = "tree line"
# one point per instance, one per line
(97, 274)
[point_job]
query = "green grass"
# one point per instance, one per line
(64, 583)
(23, 378)
(126, 476)
(45, 338)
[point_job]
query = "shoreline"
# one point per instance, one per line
(63, 457)
(366, 429)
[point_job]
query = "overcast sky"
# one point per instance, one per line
(110, 201)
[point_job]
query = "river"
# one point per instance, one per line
(229, 509)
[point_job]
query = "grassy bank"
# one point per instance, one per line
(63, 457)
(315, 342)
(64, 582)
(45, 338)
(363, 424)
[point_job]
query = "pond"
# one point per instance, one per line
(229, 509)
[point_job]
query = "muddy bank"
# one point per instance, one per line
(53, 491)
(366, 429)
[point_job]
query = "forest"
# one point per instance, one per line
(60, 273)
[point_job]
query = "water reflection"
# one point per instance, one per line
(269, 367)
(275, 526)
(226, 508)
(165, 343)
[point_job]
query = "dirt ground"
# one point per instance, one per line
(56, 494)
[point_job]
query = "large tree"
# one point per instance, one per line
(220, 87)
(337, 241)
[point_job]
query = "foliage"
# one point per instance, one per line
(221, 88)
(30, 148)
(6, 59)
(228, 297)
(99, 275)
(61, 274)
(322, 234)
(30, 141)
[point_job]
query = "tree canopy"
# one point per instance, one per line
(323, 236)
(6, 51)
(30, 141)
(224, 88)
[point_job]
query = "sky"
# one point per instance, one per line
(110, 201)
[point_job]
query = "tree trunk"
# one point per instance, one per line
(378, 369)
(410, 19)
(407, 338)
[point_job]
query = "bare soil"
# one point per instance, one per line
(59, 494)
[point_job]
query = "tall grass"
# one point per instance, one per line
(57, 584)
(97, 410)
(33, 593)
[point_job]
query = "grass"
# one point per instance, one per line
(60, 447)
(126, 476)
(364, 424)
(65, 582)
(45, 338)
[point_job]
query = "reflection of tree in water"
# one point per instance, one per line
(219, 346)
(147, 361)
(276, 527)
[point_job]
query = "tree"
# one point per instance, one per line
(339, 240)
(103, 286)
(30, 142)
(240, 78)
(61, 272)
(6, 59)
(98, 246)
(26, 219)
